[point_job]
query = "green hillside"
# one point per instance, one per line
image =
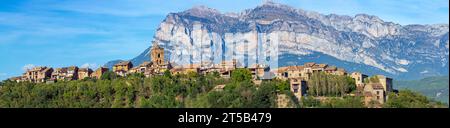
(433, 87)
(192, 90)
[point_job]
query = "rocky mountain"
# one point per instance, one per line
(281, 35)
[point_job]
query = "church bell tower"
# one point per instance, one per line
(157, 54)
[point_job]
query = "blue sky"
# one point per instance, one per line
(61, 33)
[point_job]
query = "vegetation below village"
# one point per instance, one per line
(434, 87)
(192, 91)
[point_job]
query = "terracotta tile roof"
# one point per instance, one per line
(310, 64)
(281, 69)
(319, 65)
(295, 68)
(61, 70)
(331, 68)
(191, 66)
(15, 78)
(84, 69)
(38, 68)
(145, 63)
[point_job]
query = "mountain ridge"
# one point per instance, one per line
(402, 51)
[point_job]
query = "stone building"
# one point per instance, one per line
(65, 73)
(299, 75)
(226, 67)
(84, 73)
(17, 79)
(122, 68)
(38, 74)
(158, 64)
(331, 69)
(211, 69)
(385, 82)
(59, 74)
(177, 70)
(99, 72)
(72, 73)
(258, 70)
(374, 94)
(185, 69)
(318, 67)
(359, 79)
(340, 72)
(143, 68)
(157, 54)
(305, 71)
(298, 87)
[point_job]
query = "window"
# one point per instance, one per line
(378, 97)
(295, 90)
(378, 92)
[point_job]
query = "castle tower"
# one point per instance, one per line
(157, 54)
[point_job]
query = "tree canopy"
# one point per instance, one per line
(190, 91)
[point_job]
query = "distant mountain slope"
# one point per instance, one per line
(202, 34)
(434, 87)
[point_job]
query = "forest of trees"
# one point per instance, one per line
(186, 91)
(322, 84)
(411, 99)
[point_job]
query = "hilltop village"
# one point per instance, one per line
(298, 76)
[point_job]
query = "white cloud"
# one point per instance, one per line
(423, 72)
(403, 62)
(401, 69)
(89, 65)
(28, 66)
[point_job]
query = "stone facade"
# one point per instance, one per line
(65, 73)
(185, 69)
(99, 72)
(298, 87)
(305, 71)
(359, 79)
(84, 73)
(374, 95)
(385, 82)
(122, 68)
(38, 74)
(157, 55)
(258, 70)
